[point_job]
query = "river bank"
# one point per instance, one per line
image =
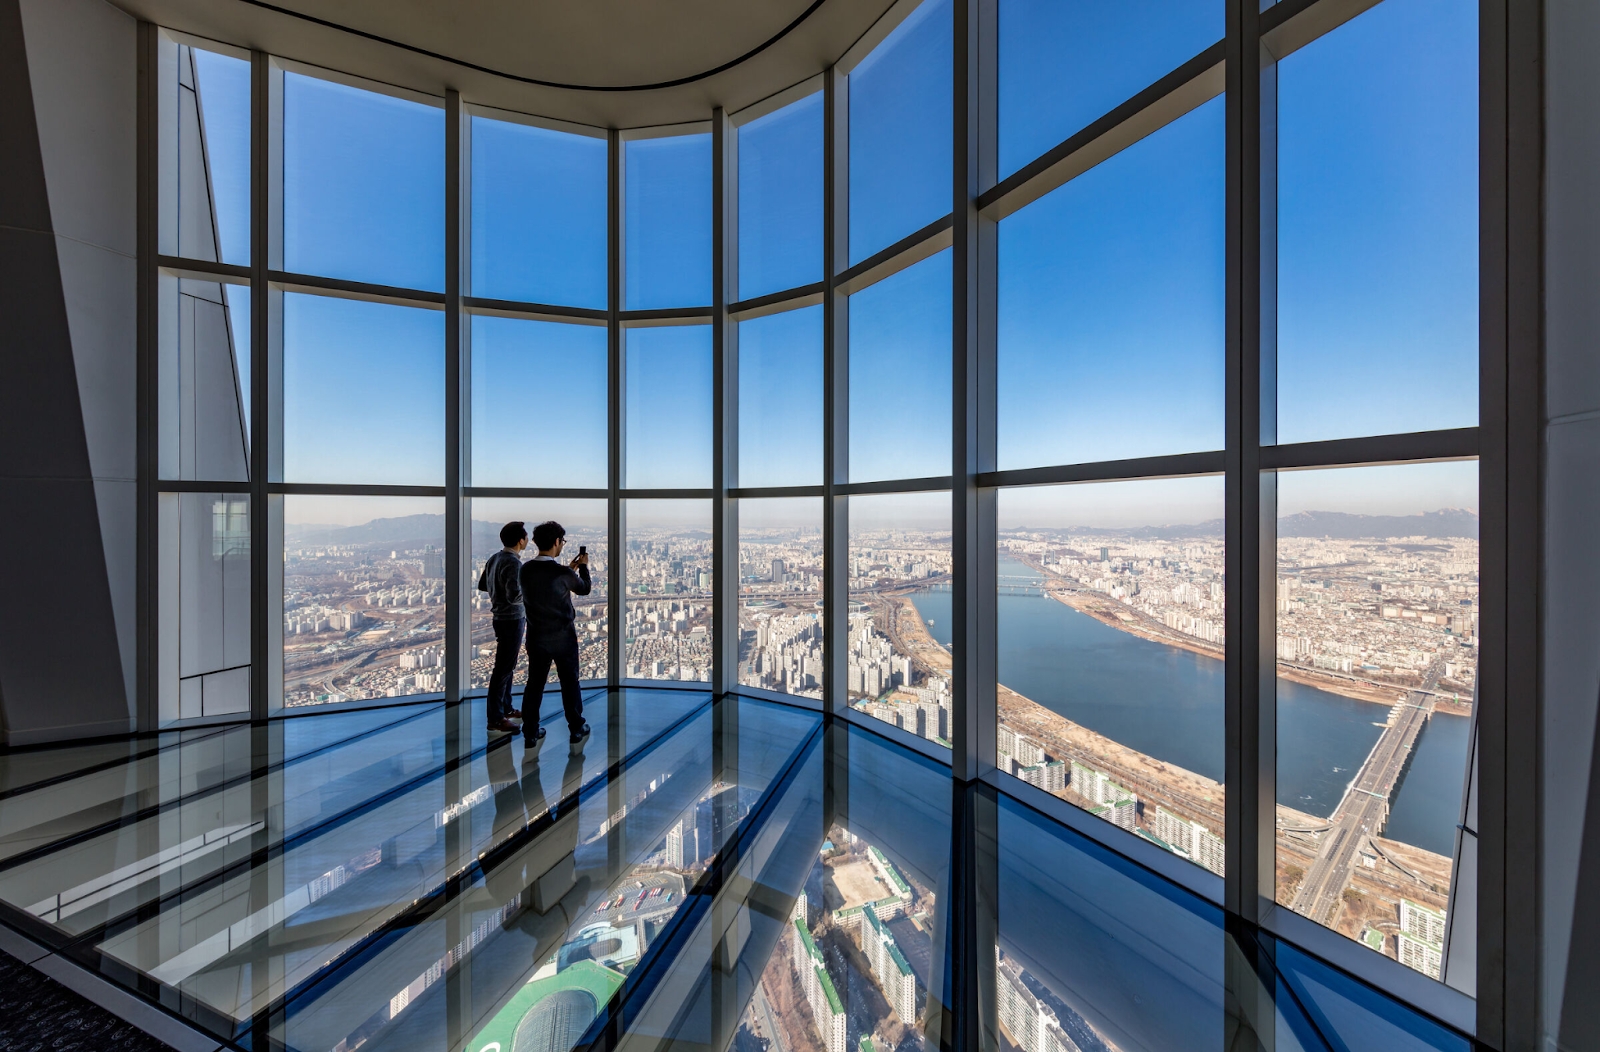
(1180, 791)
(1111, 612)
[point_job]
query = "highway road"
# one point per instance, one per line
(768, 1023)
(1365, 807)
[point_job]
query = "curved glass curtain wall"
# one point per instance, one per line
(829, 347)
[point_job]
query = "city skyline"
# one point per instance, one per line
(346, 512)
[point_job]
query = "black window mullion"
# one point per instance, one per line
(617, 541)
(261, 154)
(1250, 712)
(457, 533)
(972, 913)
(835, 406)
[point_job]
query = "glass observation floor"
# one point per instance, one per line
(734, 873)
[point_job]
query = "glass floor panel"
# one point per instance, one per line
(26, 768)
(828, 930)
(730, 874)
(160, 769)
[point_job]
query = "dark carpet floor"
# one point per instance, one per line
(38, 1014)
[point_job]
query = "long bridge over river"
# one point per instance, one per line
(1365, 806)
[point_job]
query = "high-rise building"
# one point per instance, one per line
(1030, 1024)
(1114, 803)
(675, 845)
(889, 966)
(1421, 937)
(1027, 752)
(827, 1011)
(1190, 839)
(1050, 776)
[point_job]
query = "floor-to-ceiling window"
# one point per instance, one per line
(665, 394)
(355, 425)
(1109, 612)
(535, 361)
(203, 383)
(1375, 605)
(662, 333)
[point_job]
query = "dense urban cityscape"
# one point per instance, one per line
(851, 969)
(667, 604)
(780, 609)
(1385, 620)
(363, 612)
(1389, 621)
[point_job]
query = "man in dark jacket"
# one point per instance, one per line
(504, 585)
(547, 591)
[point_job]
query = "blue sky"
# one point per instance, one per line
(523, 249)
(1110, 340)
(900, 106)
(1378, 225)
(928, 511)
(900, 374)
(692, 515)
(585, 520)
(1402, 489)
(666, 185)
(534, 388)
(301, 509)
(1138, 502)
(1066, 63)
(361, 385)
(780, 399)
(780, 199)
(1110, 331)
(775, 512)
(225, 116)
(363, 185)
(668, 400)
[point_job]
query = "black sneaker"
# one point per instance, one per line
(533, 735)
(580, 734)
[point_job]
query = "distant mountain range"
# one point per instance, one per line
(416, 531)
(405, 531)
(1446, 522)
(1338, 525)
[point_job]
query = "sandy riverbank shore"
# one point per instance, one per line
(914, 633)
(1110, 612)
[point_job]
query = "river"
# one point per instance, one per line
(1167, 702)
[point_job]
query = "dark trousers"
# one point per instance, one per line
(563, 652)
(507, 641)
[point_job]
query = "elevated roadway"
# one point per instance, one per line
(1365, 807)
